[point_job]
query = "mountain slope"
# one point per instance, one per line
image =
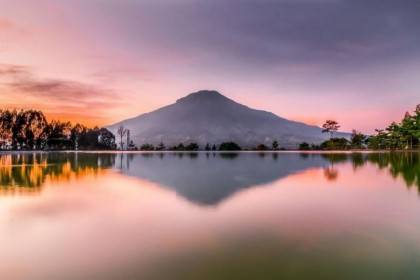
(209, 117)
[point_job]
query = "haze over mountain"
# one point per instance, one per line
(209, 117)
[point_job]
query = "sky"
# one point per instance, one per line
(100, 61)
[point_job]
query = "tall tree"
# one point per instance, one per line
(34, 127)
(77, 133)
(275, 145)
(121, 133)
(330, 126)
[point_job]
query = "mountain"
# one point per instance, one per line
(210, 117)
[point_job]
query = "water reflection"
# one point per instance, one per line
(28, 172)
(202, 178)
(211, 178)
(405, 165)
(141, 216)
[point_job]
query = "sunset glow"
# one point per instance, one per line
(98, 62)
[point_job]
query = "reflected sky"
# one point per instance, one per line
(209, 216)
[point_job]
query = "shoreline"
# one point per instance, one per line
(210, 152)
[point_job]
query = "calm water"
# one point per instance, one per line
(209, 216)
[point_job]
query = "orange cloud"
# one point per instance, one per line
(59, 99)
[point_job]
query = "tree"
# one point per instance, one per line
(121, 133)
(207, 148)
(330, 126)
(213, 148)
(357, 139)
(33, 128)
(24, 129)
(29, 129)
(127, 133)
(261, 147)
(408, 130)
(147, 147)
(132, 146)
(275, 145)
(58, 135)
(160, 147)
(77, 133)
(304, 146)
(180, 147)
(105, 139)
(229, 146)
(335, 144)
(59, 130)
(192, 147)
(6, 124)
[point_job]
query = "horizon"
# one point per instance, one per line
(100, 62)
(209, 139)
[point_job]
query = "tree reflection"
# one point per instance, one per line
(31, 170)
(331, 173)
(205, 179)
(405, 165)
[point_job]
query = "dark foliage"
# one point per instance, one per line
(229, 146)
(261, 147)
(304, 146)
(30, 130)
(335, 144)
(147, 147)
(403, 135)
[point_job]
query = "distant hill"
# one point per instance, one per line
(210, 117)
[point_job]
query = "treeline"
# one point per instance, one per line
(30, 130)
(404, 135)
(228, 146)
(225, 146)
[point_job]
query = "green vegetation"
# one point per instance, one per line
(358, 140)
(404, 135)
(304, 146)
(335, 144)
(30, 130)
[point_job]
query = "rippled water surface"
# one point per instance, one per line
(209, 216)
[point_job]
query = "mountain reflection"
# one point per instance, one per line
(208, 179)
(202, 178)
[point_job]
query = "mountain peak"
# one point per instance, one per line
(203, 96)
(207, 116)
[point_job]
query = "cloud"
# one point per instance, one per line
(60, 98)
(344, 34)
(7, 70)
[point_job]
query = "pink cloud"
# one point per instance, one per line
(62, 99)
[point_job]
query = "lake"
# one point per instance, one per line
(209, 215)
